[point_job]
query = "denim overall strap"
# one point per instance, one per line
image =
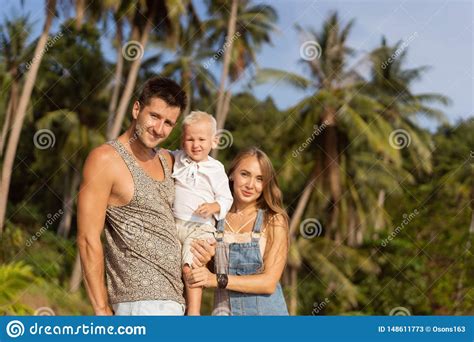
(257, 228)
(220, 230)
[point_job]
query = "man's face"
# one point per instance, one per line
(155, 121)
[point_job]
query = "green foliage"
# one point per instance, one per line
(425, 266)
(14, 278)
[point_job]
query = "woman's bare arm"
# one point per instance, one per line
(274, 261)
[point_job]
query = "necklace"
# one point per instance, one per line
(240, 219)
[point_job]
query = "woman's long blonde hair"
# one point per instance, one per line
(271, 199)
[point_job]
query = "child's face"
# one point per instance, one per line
(198, 140)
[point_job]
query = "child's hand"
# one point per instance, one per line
(207, 209)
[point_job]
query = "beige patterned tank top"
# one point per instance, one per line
(142, 251)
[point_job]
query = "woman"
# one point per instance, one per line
(256, 226)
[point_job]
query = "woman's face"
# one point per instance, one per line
(248, 180)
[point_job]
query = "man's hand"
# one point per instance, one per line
(203, 251)
(206, 210)
(200, 277)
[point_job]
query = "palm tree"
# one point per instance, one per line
(390, 85)
(342, 111)
(77, 122)
(456, 174)
(13, 47)
(226, 63)
(188, 65)
(166, 15)
(14, 277)
(335, 265)
(78, 112)
(348, 122)
(19, 116)
(79, 141)
(120, 11)
(356, 120)
(239, 33)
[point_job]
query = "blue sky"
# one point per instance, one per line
(444, 41)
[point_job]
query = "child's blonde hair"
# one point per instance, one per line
(197, 116)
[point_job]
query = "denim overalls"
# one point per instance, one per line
(245, 259)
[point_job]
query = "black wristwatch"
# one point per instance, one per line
(222, 280)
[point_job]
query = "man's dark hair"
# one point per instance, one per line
(165, 89)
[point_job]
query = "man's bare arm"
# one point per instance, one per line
(92, 203)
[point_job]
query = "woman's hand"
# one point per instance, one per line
(203, 251)
(200, 277)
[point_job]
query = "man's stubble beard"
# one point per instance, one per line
(139, 132)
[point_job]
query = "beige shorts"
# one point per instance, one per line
(188, 232)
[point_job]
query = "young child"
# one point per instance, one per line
(202, 193)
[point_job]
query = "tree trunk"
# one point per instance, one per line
(303, 200)
(117, 76)
(186, 80)
(80, 11)
(226, 62)
(11, 108)
(332, 167)
(295, 220)
(471, 228)
(6, 126)
(68, 205)
(379, 220)
(221, 123)
(20, 114)
(351, 227)
(76, 276)
(131, 79)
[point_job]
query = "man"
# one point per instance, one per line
(127, 187)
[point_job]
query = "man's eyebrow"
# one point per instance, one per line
(167, 120)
